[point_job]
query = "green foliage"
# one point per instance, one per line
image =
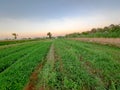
(107, 32)
(103, 63)
(9, 42)
(78, 66)
(73, 75)
(9, 50)
(74, 66)
(17, 75)
(11, 58)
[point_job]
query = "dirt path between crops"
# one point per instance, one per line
(109, 41)
(51, 61)
(34, 76)
(50, 55)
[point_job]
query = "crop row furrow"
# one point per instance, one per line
(46, 77)
(11, 50)
(101, 61)
(16, 76)
(74, 75)
(8, 61)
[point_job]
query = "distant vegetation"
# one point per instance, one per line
(107, 32)
(49, 35)
(8, 42)
(16, 41)
(15, 35)
(18, 62)
(59, 64)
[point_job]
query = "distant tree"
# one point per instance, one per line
(15, 35)
(99, 29)
(93, 30)
(106, 28)
(85, 33)
(111, 26)
(49, 35)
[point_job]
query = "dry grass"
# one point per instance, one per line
(111, 41)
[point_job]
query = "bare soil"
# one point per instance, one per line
(110, 41)
(33, 78)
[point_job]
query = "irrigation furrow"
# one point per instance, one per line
(11, 50)
(8, 61)
(103, 63)
(47, 72)
(16, 76)
(74, 72)
(34, 79)
(8, 53)
(93, 71)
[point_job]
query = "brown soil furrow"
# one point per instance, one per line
(34, 77)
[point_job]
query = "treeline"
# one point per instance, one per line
(107, 32)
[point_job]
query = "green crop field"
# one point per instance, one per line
(59, 64)
(8, 42)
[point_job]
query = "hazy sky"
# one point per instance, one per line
(34, 18)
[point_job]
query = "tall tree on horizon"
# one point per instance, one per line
(49, 35)
(15, 35)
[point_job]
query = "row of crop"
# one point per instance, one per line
(16, 76)
(51, 75)
(74, 76)
(102, 61)
(9, 50)
(9, 42)
(68, 72)
(14, 49)
(7, 61)
(46, 75)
